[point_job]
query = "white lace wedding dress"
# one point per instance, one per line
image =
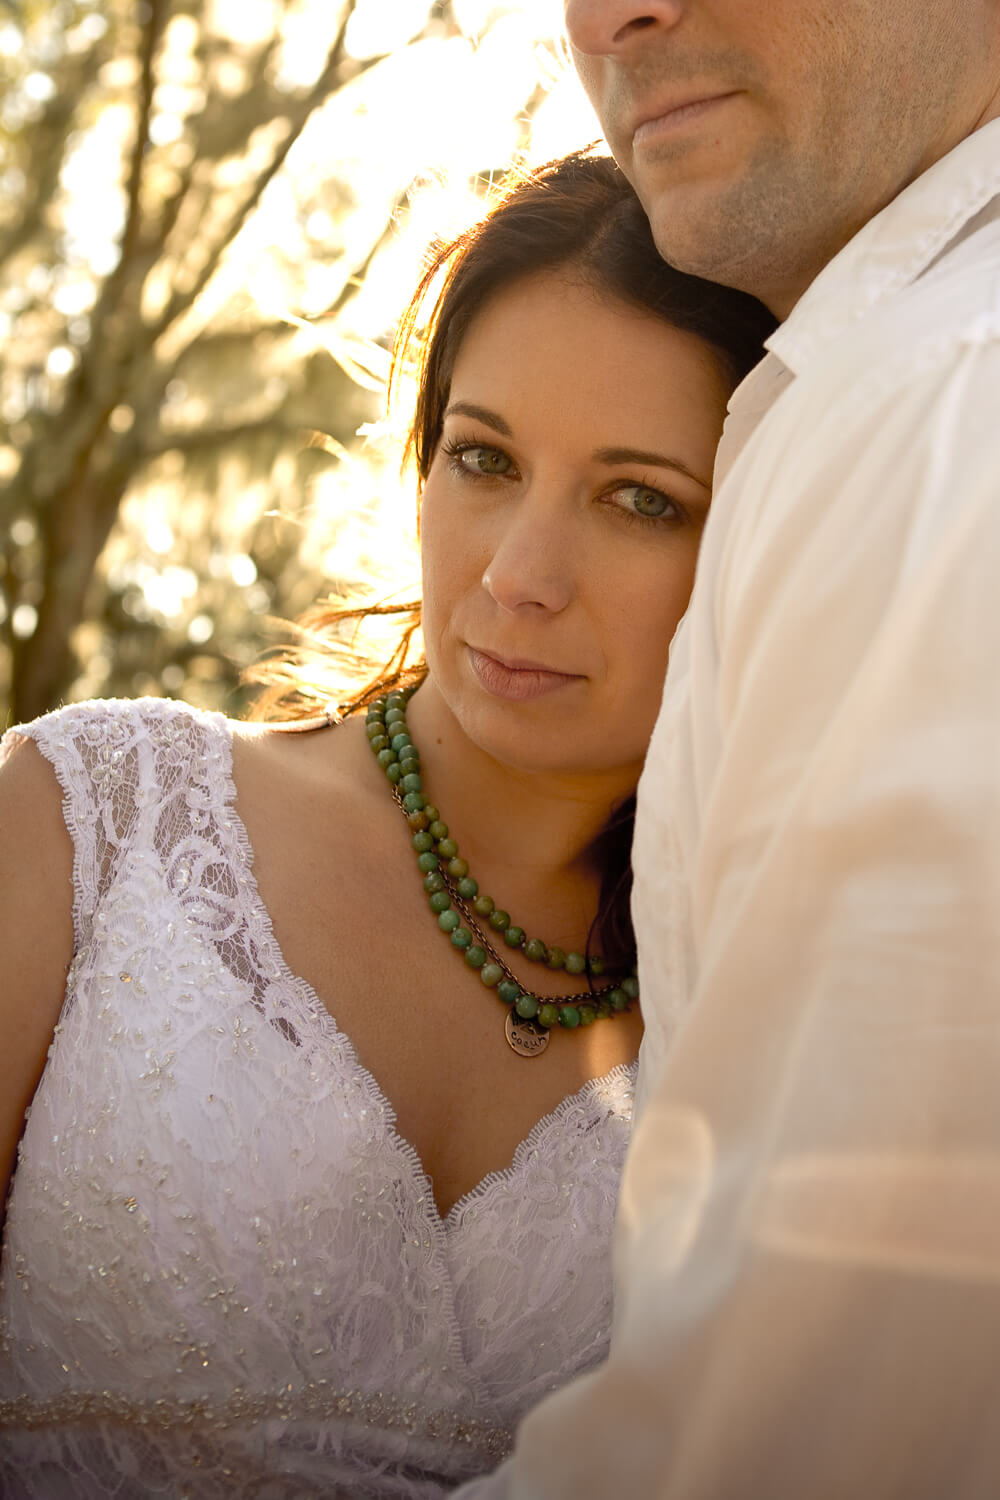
(223, 1271)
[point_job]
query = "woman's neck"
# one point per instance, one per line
(528, 836)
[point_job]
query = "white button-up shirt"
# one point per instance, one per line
(809, 1236)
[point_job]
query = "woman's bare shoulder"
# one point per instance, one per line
(35, 842)
(307, 751)
(36, 929)
(301, 794)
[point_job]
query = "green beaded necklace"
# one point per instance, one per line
(472, 921)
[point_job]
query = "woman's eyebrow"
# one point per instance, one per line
(480, 414)
(608, 456)
(641, 456)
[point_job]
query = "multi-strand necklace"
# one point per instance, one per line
(471, 920)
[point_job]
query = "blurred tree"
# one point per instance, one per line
(200, 198)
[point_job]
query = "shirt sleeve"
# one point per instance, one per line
(809, 1239)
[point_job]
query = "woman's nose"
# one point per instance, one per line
(600, 27)
(532, 562)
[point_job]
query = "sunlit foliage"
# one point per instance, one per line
(211, 215)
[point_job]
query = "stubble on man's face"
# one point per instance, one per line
(817, 114)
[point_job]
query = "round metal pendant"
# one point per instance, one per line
(523, 1038)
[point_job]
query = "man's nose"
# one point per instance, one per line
(600, 27)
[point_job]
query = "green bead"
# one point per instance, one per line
(456, 867)
(595, 965)
(475, 956)
(427, 862)
(439, 830)
(395, 716)
(394, 699)
(617, 999)
(548, 1015)
(513, 936)
(467, 888)
(432, 815)
(556, 958)
(447, 848)
(575, 963)
(499, 920)
(409, 766)
(588, 1015)
(462, 937)
(380, 744)
(399, 740)
(569, 1016)
(631, 987)
(386, 757)
(448, 920)
(602, 1010)
(536, 950)
(526, 1007)
(411, 783)
(491, 975)
(483, 906)
(433, 881)
(414, 801)
(440, 901)
(418, 821)
(374, 728)
(394, 771)
(422, 842)
(508, 991)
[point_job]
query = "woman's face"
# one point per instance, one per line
(560, 523)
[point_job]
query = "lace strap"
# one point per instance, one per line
(107, 757)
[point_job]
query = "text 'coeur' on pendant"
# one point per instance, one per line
(523, 1038)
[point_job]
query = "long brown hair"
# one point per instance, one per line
(579, 212)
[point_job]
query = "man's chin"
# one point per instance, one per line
(723, 226)
(692, 232)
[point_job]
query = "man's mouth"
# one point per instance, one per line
(674, 114)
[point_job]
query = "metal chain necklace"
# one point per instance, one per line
(471, 920)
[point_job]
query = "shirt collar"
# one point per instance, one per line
(894, 247)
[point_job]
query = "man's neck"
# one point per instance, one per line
(782, 297)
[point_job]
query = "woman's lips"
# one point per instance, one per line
(516, 682)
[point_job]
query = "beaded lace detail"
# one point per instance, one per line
(223, 1271)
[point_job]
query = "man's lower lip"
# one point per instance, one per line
(676, 119)
(515, 683)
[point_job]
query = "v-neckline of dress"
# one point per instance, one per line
(325, 1028)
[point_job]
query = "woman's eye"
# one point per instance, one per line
(476, 459)
(642, 501)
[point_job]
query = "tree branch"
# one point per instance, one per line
(124, 272)
(45, 148)
(203, 439)
(181, 301)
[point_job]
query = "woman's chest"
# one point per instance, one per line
(426, 1027)
(351, 916)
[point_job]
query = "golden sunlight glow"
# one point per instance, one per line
(398, 154)
(422, 124)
